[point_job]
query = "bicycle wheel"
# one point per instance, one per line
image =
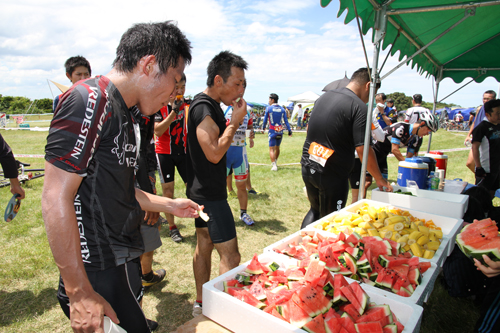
(4, 182)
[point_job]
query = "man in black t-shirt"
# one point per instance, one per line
(208, 140)
(336, 130)
(486, 148)
(91, 209)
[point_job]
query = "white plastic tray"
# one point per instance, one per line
(241, 317)
(434, 202)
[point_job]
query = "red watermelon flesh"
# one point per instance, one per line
(352, 311)
(392, 328)
(314, 271)
(317, 325)
(294, 273)
(399, 325)
(371, 327)
(396, 261)
(423, 266)
(348, 293)
(413, 261)
(245, 296)
(343, 330)
(281, 296)
(331, 314)
(360, 294)
(338, 282)
(394, 246)
(314, 299)
(333, 324)
(296, 298)
(254, 267)
(402, 269)
(275, 313)
(293, 314)
(347, 323)
(375, 314)
(258, 291)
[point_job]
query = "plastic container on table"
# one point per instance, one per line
(413, 169)
(419, 296)
(238, 316)
(441, 160)
(439, 203)
(449, 226)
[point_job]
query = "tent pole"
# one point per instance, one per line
(434, 104)
(379, 31)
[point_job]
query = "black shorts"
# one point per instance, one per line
(491, 182)
(167, 164)
(122, 288)
(355, 175)
(221, 226)
(326, 193)
(382, 163)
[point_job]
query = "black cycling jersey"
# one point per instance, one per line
(205, 180)
(489, 136)
(337, 124)
(93, 134)
(398, 133)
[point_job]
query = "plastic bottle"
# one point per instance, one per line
(429, 180)
(435, 183)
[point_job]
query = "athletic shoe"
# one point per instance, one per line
(197, 310)
(153, 325)
(232, 194)
(274, 167)
(162, 220)
(176, 235)
(253, 191)
(156, 278)
(247, 219)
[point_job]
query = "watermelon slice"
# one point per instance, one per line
(391, 328)
(333, 325)
(349, 294)
(331, 313)
(338, 282)
(361, 296)
(314, 299)
(293, 314)
(352, 311)
(314, 272)
(254, 267)
(370, 327)
(376, 313)
(480, 238)
(297, 300)
(245, 296)
(317, 325)
(347, 323)
(258, 291)
(423, 266)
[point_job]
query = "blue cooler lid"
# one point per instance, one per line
(414, 163)
(414, 160)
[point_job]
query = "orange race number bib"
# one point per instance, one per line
(319, 153)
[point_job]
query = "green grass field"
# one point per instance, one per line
(28, 274)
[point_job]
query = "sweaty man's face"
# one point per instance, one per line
(159, 88)
(494, 117)
(80, 73)
(234, 87)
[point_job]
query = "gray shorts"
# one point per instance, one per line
(151, 237)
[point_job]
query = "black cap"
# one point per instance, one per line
(390, 100)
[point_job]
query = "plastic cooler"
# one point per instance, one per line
(434, 202)
(441, 160)
(238, 316)
(413, 169)
(419, 296)
(450, 226)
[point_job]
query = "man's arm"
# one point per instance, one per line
(87, 307)
(468, 137)
(162, 126)
(155, 203)
(396, 152)
(287, 124)
(475, 154)
(372, 167)
(207, 132)
(15, 188)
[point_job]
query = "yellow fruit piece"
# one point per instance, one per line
(432, 245)
(367, 218)
(395, 219)
(403, 239)
(357, 220)
(407, 247)
(423, 229)
(415, 235)
(378, 224)
(439, 233)
(422, 240)
(416, 250)
(385, 234)
(428, 254)
(373, 232)
(432, 236)
(395, 236)
(382, 215)
(372, 212)
(413, 226)
(411, 241)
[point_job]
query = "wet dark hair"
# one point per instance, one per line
(383, 96)
(164, 40)
(491, 92)
(274, 97)
(361, 77)
(493, 103)
(221, 65)
(75, 62)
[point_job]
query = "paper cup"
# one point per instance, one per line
(110, 327)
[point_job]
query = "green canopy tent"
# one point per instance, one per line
(441, 38)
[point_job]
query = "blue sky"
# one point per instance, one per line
(292, 46)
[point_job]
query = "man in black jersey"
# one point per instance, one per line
(91, 209)
(208, 140)
(336, 130)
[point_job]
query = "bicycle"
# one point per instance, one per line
(24, 174)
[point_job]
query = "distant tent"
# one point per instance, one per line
(308, 97)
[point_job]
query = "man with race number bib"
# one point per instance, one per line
(336, 130)
(237, 160)
(276, 115)
(401, 134)
(413, 115)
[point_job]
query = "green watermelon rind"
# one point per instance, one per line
(493, 253)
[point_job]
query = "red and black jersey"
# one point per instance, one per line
(173, 141)
(95, 135)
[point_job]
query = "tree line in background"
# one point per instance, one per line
(22, 105)
(403, 102)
